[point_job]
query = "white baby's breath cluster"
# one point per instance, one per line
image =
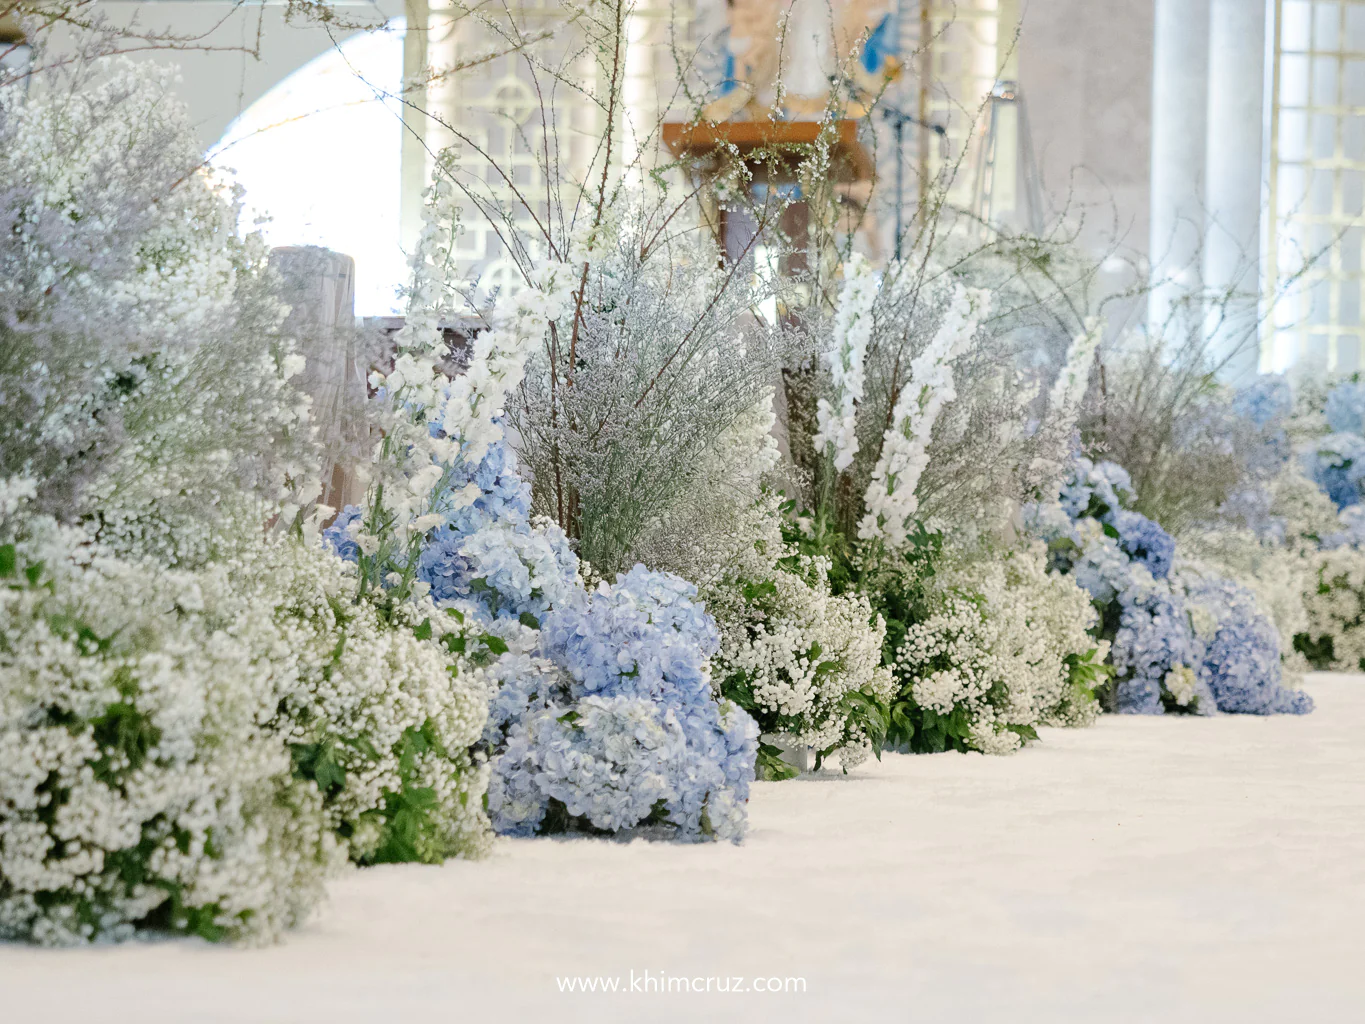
(368, 693)
(837, 420)
(1335, 605)
(137, 785)
(804, 653)
(994, 651)
(890, 500)
(200, 750)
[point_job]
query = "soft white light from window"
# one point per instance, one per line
(320, 155)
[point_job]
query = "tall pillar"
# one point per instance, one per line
(1179, 106)
(1233, 185)
(414, 172)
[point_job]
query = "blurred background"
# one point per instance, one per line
(1199, 151)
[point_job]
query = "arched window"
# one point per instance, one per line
(320, 155)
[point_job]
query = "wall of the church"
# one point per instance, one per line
(1085, 68)
(222, 80)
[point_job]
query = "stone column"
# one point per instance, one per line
(319, 286)
(1233, 184)
(1179, 106)
(415, 173)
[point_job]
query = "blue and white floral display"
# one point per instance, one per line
(603, 716)
(1182, 640)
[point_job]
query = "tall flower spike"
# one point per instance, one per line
(890, 497)
(1069, 387)
(1064, 402)
(837, 421)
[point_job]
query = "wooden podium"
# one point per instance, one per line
(774, 153)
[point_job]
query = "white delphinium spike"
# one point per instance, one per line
(412, 489)
(1064, 402)
(890, 497)
(837, 421)
(1069, 388)
(498, 361)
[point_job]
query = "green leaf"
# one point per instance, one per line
(423, 631)
(34, 573)
(496, 644)
(9, 560)
(529, 620)
(770, 765)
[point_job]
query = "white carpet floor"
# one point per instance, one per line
(1146, 869)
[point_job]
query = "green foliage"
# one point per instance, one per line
(917, 730)
(1320, 651)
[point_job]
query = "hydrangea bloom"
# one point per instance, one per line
(1337, 465)
(1241, 663)
(1345, 408)
(609, 719)
(1267, 401)
(1154, 650)
(1177, 646)
(1144, 541)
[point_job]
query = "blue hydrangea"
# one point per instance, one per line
(1092, 487)
(1337, 465)
(601, 711)
(1241, 663)
(1155, 639)
(1198, 647)
(1345, 408)
(1266, 402)
(338, 539)
(1144, 541)
(613, 718)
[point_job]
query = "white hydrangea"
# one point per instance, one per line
(836, 421)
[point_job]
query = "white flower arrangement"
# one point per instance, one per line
(1335, 606)
(200, 750)
(804, 661)
(137, 786)
(995, 658)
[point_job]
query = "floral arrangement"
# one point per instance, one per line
(138, 788)
(207, 712)
(806, 663)
(1004, 648)
(1184, 639)
(602, 718)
